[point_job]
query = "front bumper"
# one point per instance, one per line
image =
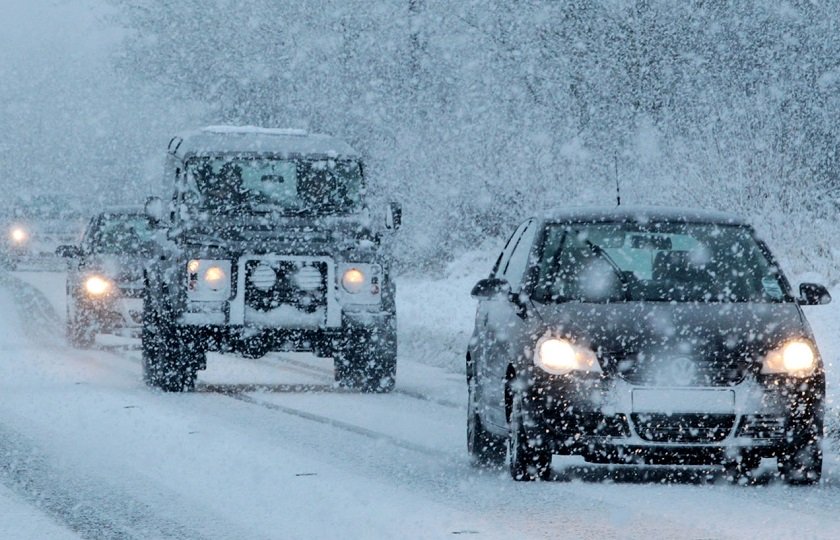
(323, 341)
(118, 314)
(612, 420)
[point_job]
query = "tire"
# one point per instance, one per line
(79, 330)
(169, 363)
(367, 362)
(742, 470)
(802, 465)
(529, 459)
(486, 450)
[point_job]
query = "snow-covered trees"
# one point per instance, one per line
(473, 113)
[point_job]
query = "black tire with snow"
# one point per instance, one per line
(367, 361)
(486, 450)
(529, 458)
(802, 465)
(170, 363)
(79, 329)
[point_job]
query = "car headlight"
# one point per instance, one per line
(561, 356)
(18, 235)
(796, 357)
(353, 280)
(98, 286)
(360, 282)
(208, 279)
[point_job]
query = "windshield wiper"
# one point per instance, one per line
(599, 251)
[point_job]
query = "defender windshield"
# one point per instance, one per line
(231, 184)
(122, 235)
(663, 262)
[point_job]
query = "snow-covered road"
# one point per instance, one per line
(86, 450)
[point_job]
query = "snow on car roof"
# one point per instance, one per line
(257, 140)
(643, 214)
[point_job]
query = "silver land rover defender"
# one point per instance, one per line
(268, 245)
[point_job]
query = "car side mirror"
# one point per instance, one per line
(154, 209)
(68, 251)
(393, 216)
(490, 287)
(813, 294)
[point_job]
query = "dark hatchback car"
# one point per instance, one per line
(105, 276)
(644, 335)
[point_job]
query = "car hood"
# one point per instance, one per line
(269, 233)
(676, 328)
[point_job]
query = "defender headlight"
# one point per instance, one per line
(18, 235)
(98, 286)
(208, 279)
(796, 357)
(360, 282)
(561, 356)
(353, 280)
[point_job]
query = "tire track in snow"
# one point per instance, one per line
(315, 370)
(327, 421)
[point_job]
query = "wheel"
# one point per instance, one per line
(529, 458)
(802, 465)
(367, 362)
(80, 331)
(486, 450)
(741, 470)
(169, 363)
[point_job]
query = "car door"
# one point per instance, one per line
(503, 324)
(483, 335)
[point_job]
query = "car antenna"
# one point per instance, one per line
(617, 186)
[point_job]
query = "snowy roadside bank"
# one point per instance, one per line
(435, 316)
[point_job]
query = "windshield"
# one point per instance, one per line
(122, 234)
(225, 184)
(659, 262)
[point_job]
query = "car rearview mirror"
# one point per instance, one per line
(813, 294)
(68, 251)
(490, 287)
(154, 209)
(393, 216)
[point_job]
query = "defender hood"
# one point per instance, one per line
(267, 232)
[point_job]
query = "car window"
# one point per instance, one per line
(518, 262)
(123, 234)
(674, 262)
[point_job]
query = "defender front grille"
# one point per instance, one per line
(270, 284)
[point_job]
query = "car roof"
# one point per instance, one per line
(642, 214)
(215, 140)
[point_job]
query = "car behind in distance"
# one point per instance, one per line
(31, 229)
(644, 335)
(271, 247)
(105, 275)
